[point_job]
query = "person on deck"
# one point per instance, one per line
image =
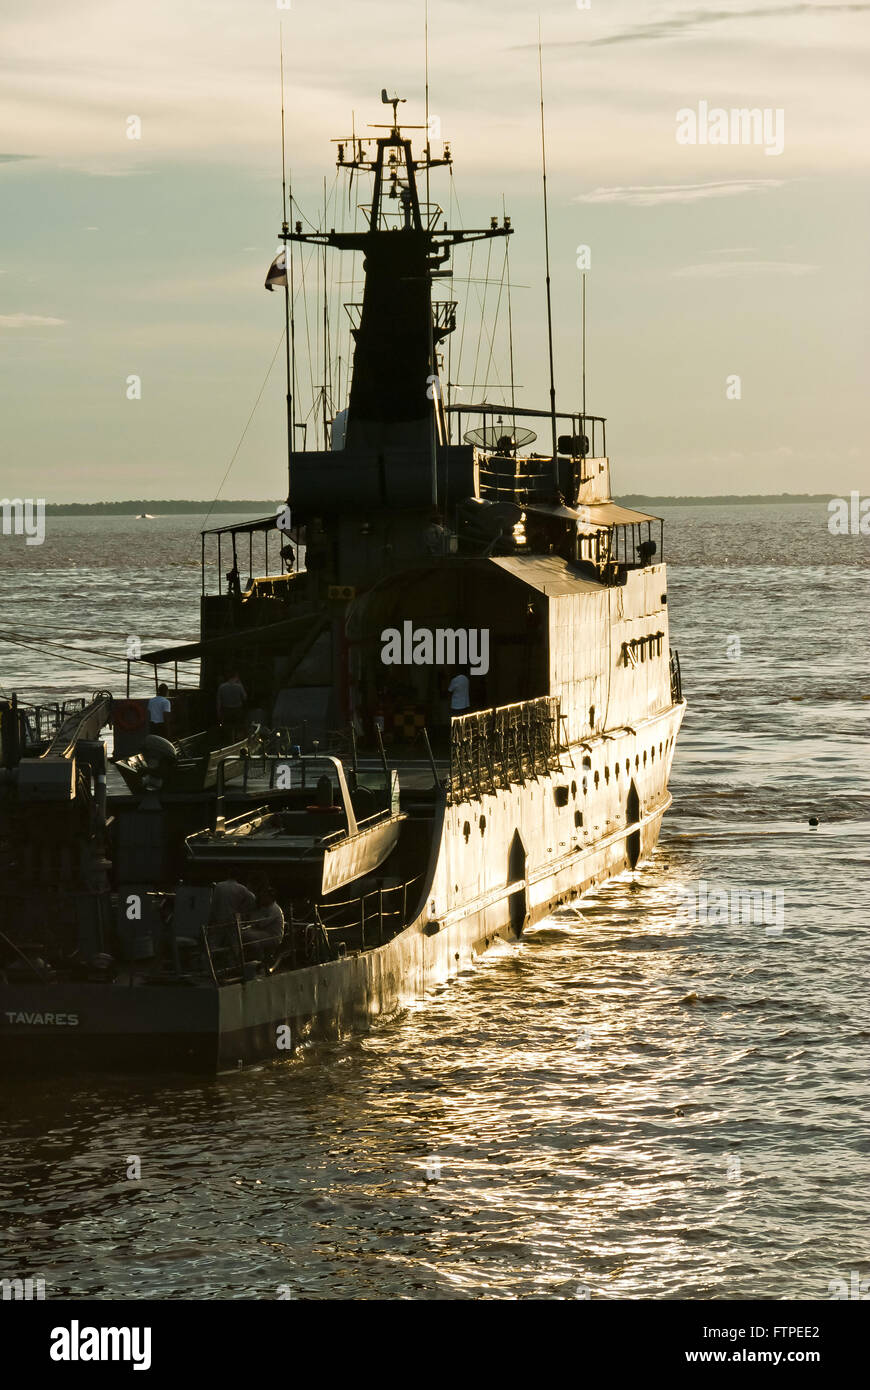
(159, 712)
(436, 534)
(229, 900)
(459, 692)
(231, 700)
(264, 928)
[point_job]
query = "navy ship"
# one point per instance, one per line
(452, 707)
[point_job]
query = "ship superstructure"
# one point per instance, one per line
(461, 710)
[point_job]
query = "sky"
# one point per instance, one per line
(727, 288)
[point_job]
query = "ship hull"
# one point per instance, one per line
(483, 886)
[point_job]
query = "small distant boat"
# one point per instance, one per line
(144, 516)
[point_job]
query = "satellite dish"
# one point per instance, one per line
(500, 437)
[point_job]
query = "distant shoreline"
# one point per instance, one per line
(725, 499)
(161, 507)
(170, 507)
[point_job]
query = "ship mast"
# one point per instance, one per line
(284, 229)
(398, 326)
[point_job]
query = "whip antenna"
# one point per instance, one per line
(547, 252)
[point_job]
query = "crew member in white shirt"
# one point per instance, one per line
(458, 690)
(159, 712)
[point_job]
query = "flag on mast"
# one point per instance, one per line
(277, 272)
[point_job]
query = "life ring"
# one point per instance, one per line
(128, 716)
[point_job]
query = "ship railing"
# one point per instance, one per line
(226, 550)
(495, 749)
(232, 960)
(267, 745)
(504, 477)
(370, 919)
(44, 722)
(676, 677)
(322, 933)
(589, 431)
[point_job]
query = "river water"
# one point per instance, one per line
(645, 1098)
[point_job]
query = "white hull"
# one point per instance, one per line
(474, 898)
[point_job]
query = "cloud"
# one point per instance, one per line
(725, 270)
(701, 19)
(652, 195)
(28, 321)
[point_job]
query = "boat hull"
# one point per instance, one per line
(475, 897)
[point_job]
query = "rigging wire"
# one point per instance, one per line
(510, 323)
(495, 322)
(305, 307)
(58, 656)
(455, 197)
(481, 300)
(244, 432)
(482, 322)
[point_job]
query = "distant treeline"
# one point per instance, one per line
(723, 500)
(164, 507)
(158, 507)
